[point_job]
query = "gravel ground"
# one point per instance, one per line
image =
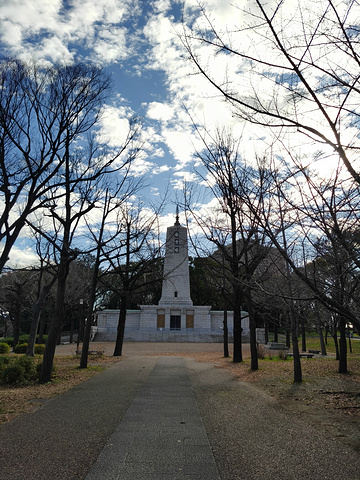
(254, 438)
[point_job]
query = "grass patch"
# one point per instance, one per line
(313, 343)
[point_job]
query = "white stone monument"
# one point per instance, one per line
(175, 318)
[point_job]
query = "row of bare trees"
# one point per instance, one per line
(60, 182)
(281, 233)
(292, 70)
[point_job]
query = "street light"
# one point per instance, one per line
(80, 324)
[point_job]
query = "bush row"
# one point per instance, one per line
(23, 339)
(22, 347)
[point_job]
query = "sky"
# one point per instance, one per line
(138, 43)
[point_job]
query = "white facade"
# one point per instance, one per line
(175, 318)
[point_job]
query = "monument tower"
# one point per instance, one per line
(176, 281)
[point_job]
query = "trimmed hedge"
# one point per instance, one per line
(21, 348)
(23, 339)
(4, 348)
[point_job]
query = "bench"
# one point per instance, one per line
(317, 352)
(306, 355)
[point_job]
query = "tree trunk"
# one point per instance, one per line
(296, 353)
(30, 351)
(350, 345)
(226, 335)
(266, 331)
(71, 339)
(121, 327)
(87, 331)
(276, 335)
(288, 337)
(16, 324)
(335, 338)
(343, 347)
(252, 326)
(303, 337)
(237, 355)
(321, 335)
(55, 326)
(41, 330)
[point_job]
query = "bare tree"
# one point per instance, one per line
(45, 281)
(43, 111)
(237, 235)
(323, 213)
(292, 66)
(131, 256)
(105, 233)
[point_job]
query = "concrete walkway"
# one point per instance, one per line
(162, 435)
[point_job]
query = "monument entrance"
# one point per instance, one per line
(175, 322)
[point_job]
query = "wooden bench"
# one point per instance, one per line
(317, 352)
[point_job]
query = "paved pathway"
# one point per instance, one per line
(139, 420)
(162, 435)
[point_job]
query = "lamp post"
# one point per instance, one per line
(80, 324)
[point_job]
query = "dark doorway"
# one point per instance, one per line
(175, 322)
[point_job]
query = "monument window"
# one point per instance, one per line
(175, 322)
(175, 294)
(176, 241)
(189, 320)
(176, 249)
(176, 234)
(160, 321)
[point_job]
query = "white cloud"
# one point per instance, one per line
(160, 111)
(110, 45)
(22, 257)
(114, 126)
(47, 28)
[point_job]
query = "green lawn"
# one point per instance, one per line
(313, 343)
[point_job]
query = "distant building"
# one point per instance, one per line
(175, 318)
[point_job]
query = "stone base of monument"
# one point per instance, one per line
(168, 336)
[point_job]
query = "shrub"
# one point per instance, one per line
(8, 340)
(18, 371)
(283, 355)
(4, 348)
(4, 362)
(24, 338)
(39, 349)
(261, 351)
(20, 348)
(28, 364)
(14, 374)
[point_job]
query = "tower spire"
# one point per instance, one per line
(177, 216)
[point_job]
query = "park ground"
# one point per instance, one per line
(325, 397)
